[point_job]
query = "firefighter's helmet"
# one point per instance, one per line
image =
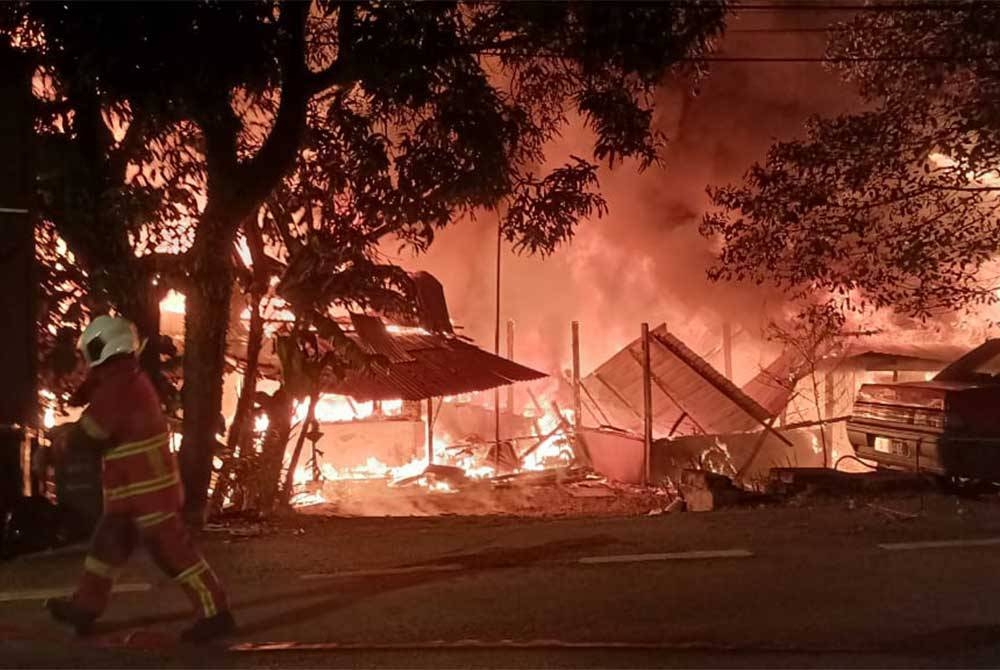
(107, 336)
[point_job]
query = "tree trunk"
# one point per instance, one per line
(279, 412)
(244, 406)
(205, 327)
(18, 300)
(286, 493)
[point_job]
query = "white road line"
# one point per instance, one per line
(43, 594)
(676, 556)
(447, 567)
(940, 544)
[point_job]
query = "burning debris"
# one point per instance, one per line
(453, 466)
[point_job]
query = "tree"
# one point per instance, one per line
(325, 224)
(458, 100)
(896, 205)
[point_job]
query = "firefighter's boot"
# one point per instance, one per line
(67, 612)
(210, 628)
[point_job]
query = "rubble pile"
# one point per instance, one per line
(443, 490)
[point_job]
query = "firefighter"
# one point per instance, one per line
(142, 489)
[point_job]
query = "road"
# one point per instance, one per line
(835, 583)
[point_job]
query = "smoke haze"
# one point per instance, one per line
(645, 260)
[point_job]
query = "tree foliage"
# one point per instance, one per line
(346, 122)
(895, 205)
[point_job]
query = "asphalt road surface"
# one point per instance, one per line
(836, 583)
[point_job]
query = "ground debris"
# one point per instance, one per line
(590, 491)
(894, 514)
(568, 475)
(704, 491)
(556, 492)
(239, 524)
(676, 505)
(436, 477)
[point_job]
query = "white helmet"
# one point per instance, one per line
(107, 336)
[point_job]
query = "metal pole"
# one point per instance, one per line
(510, 355)
(430, 431)
(576, 375)
(496, 350)
(727, 349)
(647, 404)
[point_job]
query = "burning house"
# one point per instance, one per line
(422, 409)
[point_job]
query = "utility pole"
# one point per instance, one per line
(647, 405)
(496, 350)
(430, 431)
(577, 404)
(510, 356)
(727, 349)
(18, 300)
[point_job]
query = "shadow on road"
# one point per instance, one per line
(950, 640)
(506, 557)
(345, 591)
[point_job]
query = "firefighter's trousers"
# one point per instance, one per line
(169, 542)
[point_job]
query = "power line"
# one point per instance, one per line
(825, 5)
(785, 30)
(834, 59)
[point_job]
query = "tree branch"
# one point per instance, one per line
(166, 264)
(339, 72)
(268, 166)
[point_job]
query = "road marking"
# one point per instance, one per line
(676, 556)
(940, 544)
(413, 569)
(44, 594)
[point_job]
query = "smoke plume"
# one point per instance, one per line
(645, 261)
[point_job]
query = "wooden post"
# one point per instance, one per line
(510, 356)
(430, 431)
(576, 375)
(727, 349)
(647, 405)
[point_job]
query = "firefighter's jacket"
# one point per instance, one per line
(140, 476)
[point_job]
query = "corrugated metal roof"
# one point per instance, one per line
(689, 395)
(371, 334)
(877, 354)
(438, 365)
(966, 367)
(421, 364)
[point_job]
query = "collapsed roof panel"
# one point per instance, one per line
(773, 386)
(689, 395)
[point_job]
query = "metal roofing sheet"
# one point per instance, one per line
(439, 365)
(371, 334)
(421, 365)
(773, 386)
(689, 395)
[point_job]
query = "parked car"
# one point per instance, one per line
(948, 426)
